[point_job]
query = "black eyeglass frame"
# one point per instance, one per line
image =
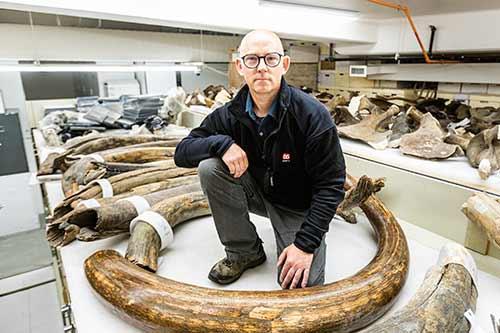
(262, 57)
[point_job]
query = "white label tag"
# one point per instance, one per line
(480, 207)
(474, 324)
(106, 188)
(140, 204)
(163, 229)
(90, 203)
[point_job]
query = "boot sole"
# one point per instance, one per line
(253, 264)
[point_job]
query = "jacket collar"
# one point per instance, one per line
(237, 105)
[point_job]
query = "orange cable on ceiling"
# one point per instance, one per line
(406, 11)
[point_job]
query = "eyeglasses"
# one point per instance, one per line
(253, 61)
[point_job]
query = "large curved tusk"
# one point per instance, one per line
(447, 292)
(158, 304)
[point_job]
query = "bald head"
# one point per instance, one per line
(262, 79)
(260, 40)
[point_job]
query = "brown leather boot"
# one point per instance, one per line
(227, 270)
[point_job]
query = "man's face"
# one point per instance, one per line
(263, 79)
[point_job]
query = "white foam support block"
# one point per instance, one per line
(161, 226)
(140, 204)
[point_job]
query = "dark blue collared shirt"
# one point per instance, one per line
(266, 124)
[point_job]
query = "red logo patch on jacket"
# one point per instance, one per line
(286, 157)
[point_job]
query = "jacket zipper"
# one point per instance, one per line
(264, 153)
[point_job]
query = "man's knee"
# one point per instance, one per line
(212, 172)
(209, 167)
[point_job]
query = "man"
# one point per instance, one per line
(274, 151)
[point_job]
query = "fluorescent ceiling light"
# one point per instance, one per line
(283, 4)
(97, 68)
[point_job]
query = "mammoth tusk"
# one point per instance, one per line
(447, 292)
(158, 304)
(484, 211)
(56, 161)
(121, 183)
(76, 173)
(144, 243)
(105, 219)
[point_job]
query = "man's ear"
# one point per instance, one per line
(286, 64)
(239, 66)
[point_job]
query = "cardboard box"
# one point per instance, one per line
(361, 82)
(326, 78)
(342, 79)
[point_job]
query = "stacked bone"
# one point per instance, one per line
(425, 128)
(109, 181)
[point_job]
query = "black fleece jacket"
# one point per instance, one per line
(299, 164)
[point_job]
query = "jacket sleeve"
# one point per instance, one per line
(326, 167)
(210, 139)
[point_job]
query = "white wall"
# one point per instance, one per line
(191, 81)
(158, 83)
(457, 32)
(103, 77)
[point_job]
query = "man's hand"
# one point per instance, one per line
(236, 160)
(296, 264)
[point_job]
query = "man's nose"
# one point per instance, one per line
(262, 67)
